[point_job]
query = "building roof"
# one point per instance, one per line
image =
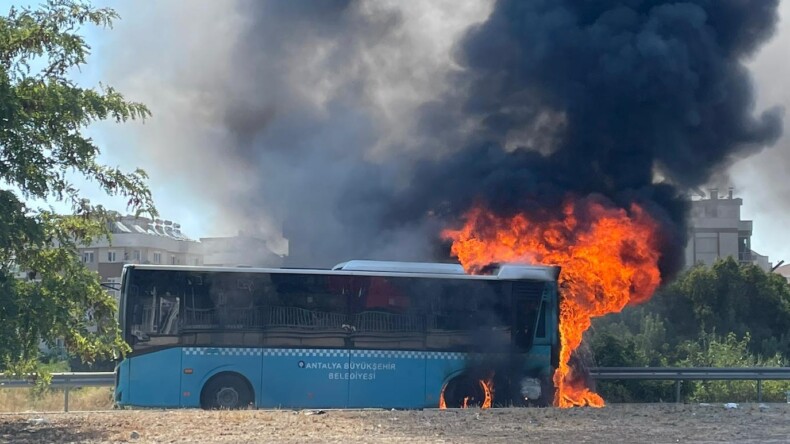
(153, 227)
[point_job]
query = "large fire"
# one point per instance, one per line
(609, 258)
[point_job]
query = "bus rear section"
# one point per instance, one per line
(236, 338)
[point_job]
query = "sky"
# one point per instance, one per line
(761, 180)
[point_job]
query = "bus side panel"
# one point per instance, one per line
(386, 378)
(155, 379)
(439, 368)
(305, 378)
(205, 362)
(538, 360)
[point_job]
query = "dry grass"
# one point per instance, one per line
(617, 423)
(26, 400)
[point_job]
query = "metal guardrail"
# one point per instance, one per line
(680, 374)
(67, 381)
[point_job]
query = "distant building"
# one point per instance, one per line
(139, 240)
(717, 232)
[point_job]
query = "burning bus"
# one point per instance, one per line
(363, 334)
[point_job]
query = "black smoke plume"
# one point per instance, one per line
(360, 134)
(631, 101)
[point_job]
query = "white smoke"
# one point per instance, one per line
(262, 109)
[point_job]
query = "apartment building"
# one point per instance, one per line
(140, 240)
(717, 231)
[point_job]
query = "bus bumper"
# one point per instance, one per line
(122, 383)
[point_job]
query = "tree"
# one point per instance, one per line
(728, 297)
(681, 324)
(42, 150)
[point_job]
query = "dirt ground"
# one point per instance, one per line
(632, 423)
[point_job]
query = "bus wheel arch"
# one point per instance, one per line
(227, 390)
(462, 390)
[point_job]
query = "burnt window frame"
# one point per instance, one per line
(424, 304)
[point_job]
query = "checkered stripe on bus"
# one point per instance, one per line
(305, 352)
(222, 351)
(405, 354)
(446, 355)
(398, 354)
(319, 352)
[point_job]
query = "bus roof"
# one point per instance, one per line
(389, 268)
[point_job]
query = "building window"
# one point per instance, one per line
(87, 257)
(197, 261)
(173, 260)
(111, 256)
(157, 257)
(136, 255)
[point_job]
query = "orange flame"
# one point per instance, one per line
(488, 396)
(609, 258)
(489, 393)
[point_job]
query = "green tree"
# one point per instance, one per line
(679, 326)
(42, 149)
(728, 297)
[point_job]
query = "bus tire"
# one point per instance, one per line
(461, 387)
(227, 391)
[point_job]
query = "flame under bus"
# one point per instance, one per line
(364, 334)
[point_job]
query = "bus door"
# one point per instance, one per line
(387, 364)
(306, 359)
(530, 303)
(153, 308)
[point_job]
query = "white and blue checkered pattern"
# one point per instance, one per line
(397, 354)
(322, 352)
(446, 355)
(222, 351)
(305, 352)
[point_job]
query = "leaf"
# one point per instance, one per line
(45, 290)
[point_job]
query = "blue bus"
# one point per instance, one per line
(364, 334)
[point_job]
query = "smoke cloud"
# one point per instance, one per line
(358, 129)
(636, 89)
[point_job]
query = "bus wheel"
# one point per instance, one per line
(464, 392)
(226, 391)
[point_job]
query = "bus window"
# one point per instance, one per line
(308, 302)
(156, 301)
(469, 315)
(388, 312)
(384, 294)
